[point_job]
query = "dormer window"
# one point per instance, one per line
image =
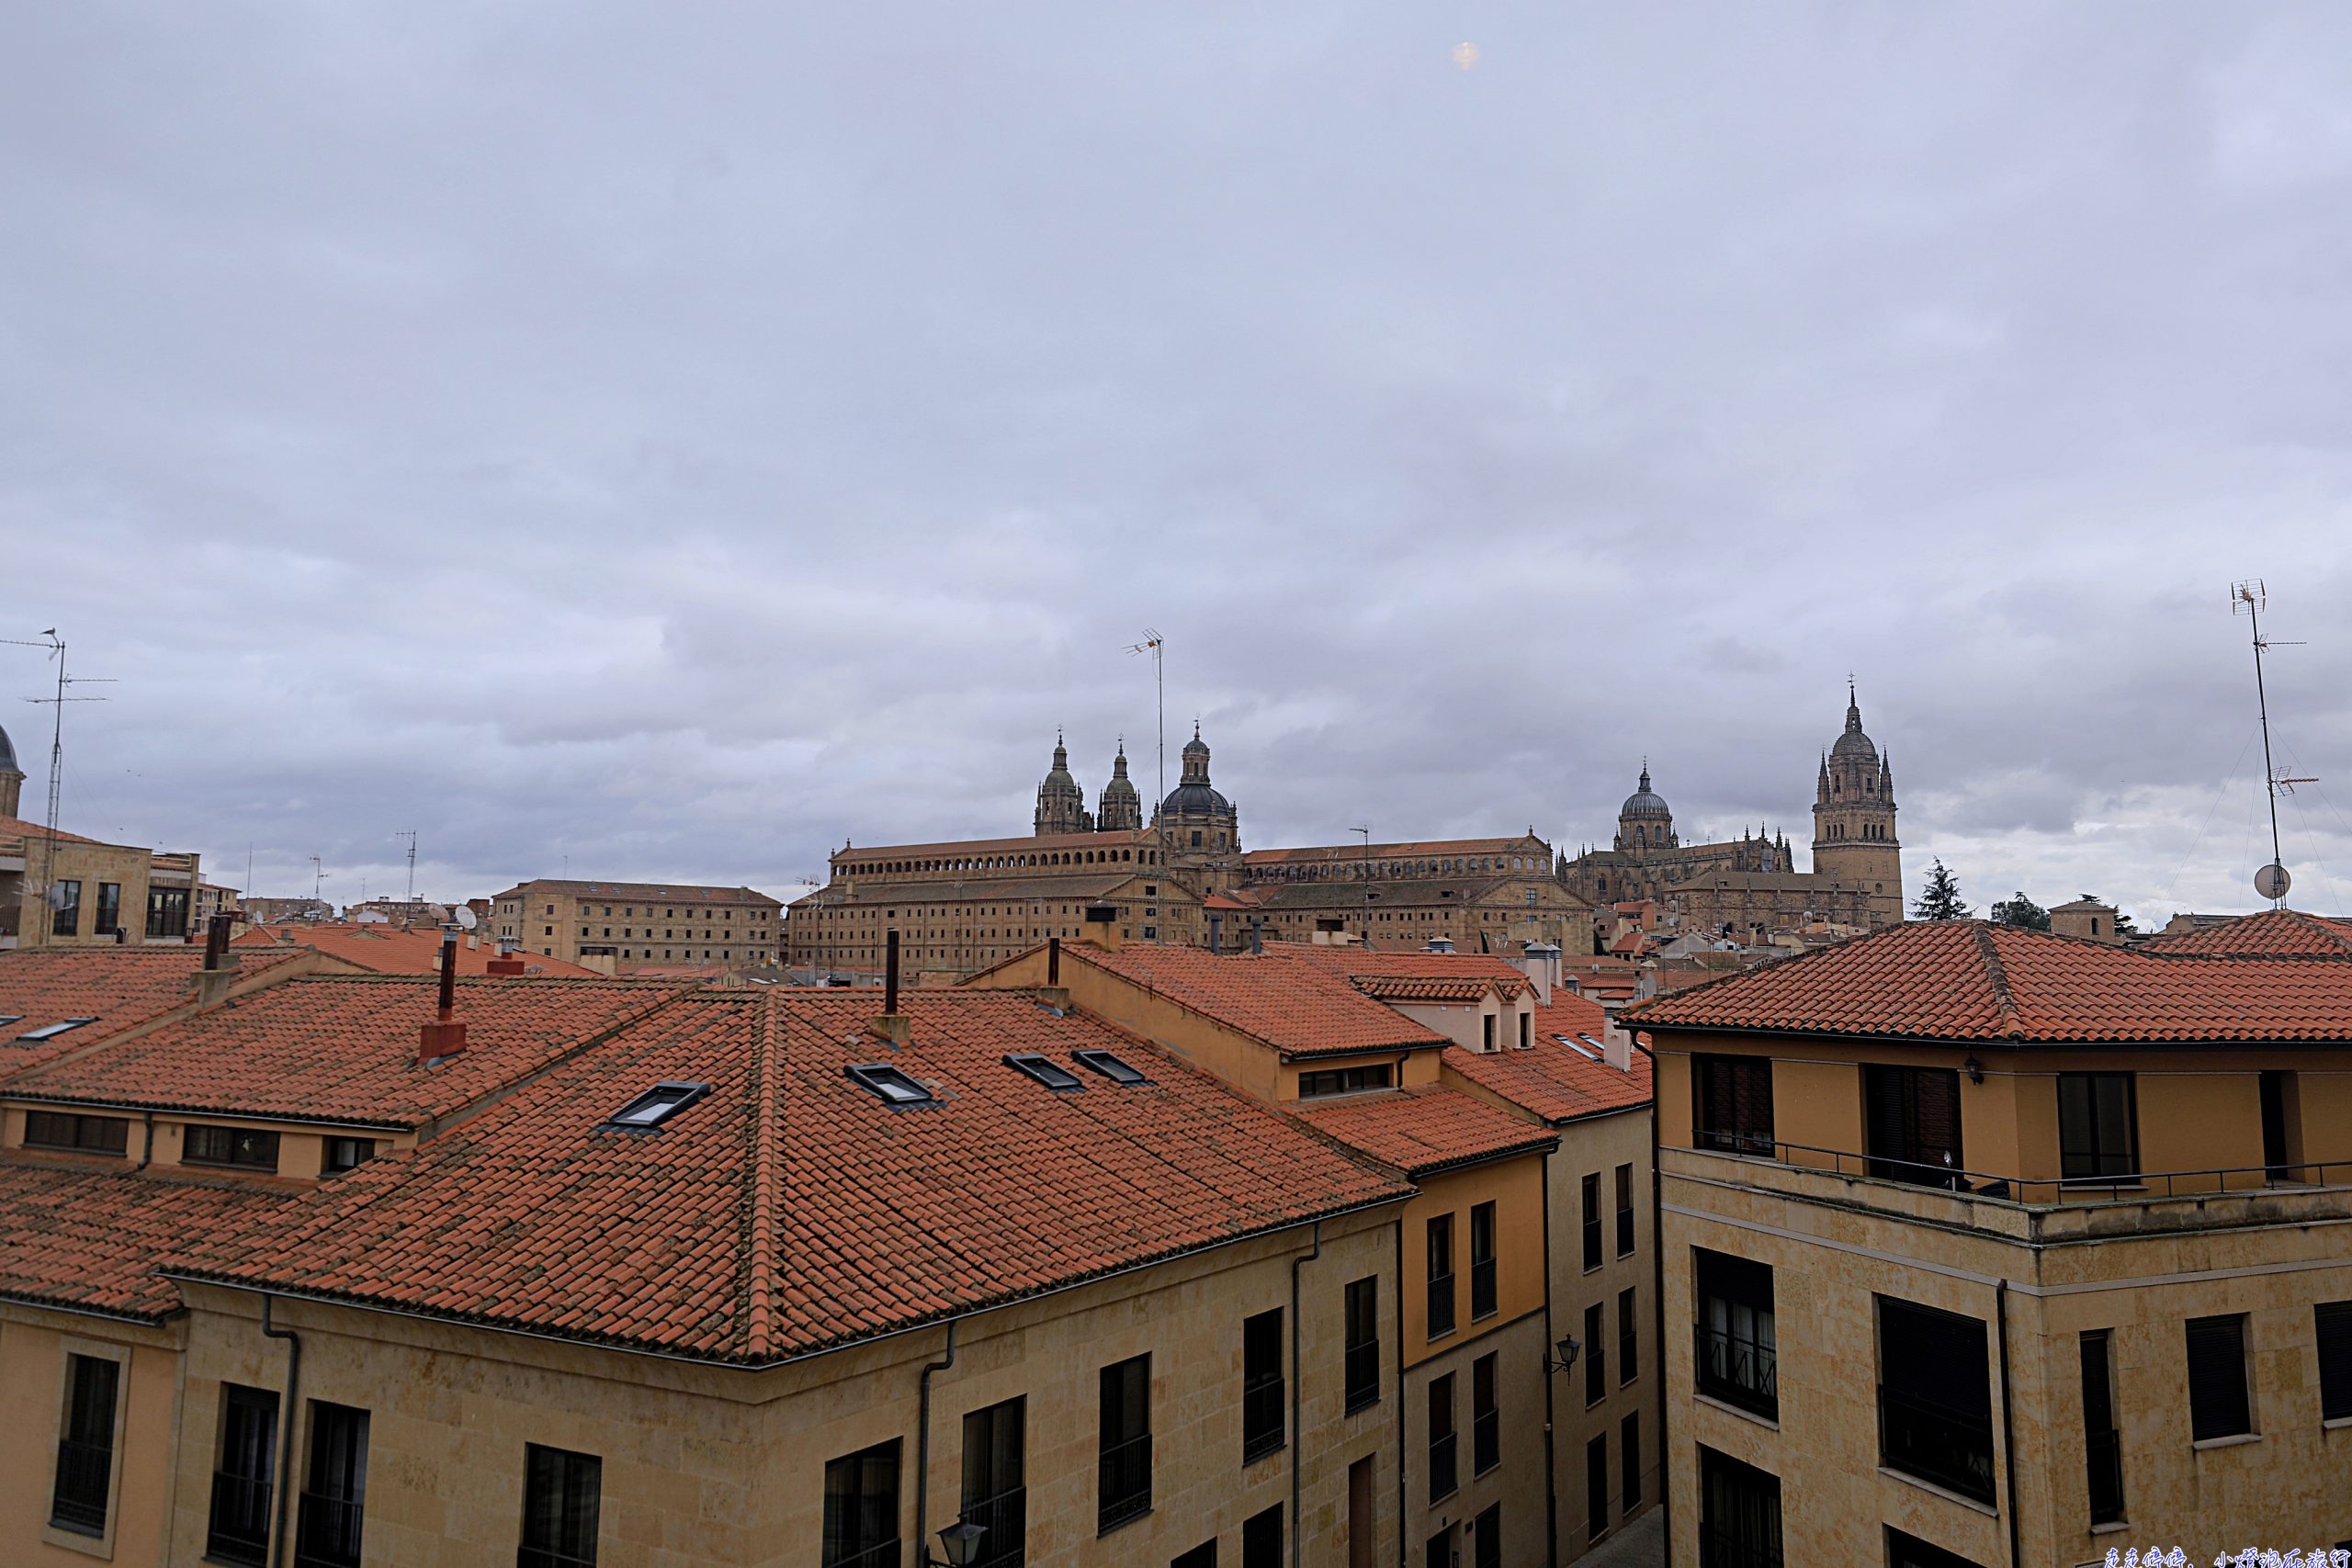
(891, 1086)
(1109, 1065)
(1052, 1074)
(656, 1105)
(51, 1031)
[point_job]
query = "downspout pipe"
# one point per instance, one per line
(1401, 1547)
(1297, 1435)
(282, 1482)
(146, 1145)
(1551, 1464)
(2008, 1430)
(922, 1447)
(1657, 1300)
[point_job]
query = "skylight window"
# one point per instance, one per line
(9, 1017)
(1052, 1074)
(894, 1087)
(656, 1105)
(51, 1031)
(1591, 1055)
(1110, 1066)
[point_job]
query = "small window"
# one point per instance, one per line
(51, 1031)
(1344, 1080)
(8, 1018)
(2331, 1325)
(83, 1134)
(347, 1154)
(2218, 1402)
(894, 1087)
(1110, 1066)
(1052, 1074)
(562, 1499)
(1591, 1055)
(245, 1146)
(657, 1105)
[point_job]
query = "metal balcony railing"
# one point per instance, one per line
(1125, 1482)
(1935, 1442)
(1739, 1371)
(2104, 1454)
(2044, 1192)
(1363, 1375)
(1005, 1518)
(884, 1554)
(328, 1535)
(240, 1530)
(1444, 1476)
(1262, 1419)
(84, 1471)
(546, 1557)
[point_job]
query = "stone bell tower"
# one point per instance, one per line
(1854, 819)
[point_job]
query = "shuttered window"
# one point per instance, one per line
(2217, 1405)
(2333, 1327)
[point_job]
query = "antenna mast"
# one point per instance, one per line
(410, 834)
(318, 879)
(2272, 881)
(1156, 646)
(56, 647)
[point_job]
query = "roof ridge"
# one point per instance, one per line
(762, 1216)
(2321, 928)
(2012, 1027)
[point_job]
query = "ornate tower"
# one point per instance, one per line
(1853, 820)
(1061, 804)
(1644, 823)
(1122, 809)
(12, 777)
(1200, 828)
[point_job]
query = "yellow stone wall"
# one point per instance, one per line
(34, 1345)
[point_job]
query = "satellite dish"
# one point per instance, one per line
(55, 896)
(466, 916)
(2272, 881)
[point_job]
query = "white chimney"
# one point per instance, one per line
(1617, 1047)
(1542, 964)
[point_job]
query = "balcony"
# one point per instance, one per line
(1948, 1447)
(1125, 1483)
(1738, 1372)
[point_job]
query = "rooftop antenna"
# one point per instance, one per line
(2272, 881)
(410, 834)
(1156, 645)
(318, 879)
(56, 647)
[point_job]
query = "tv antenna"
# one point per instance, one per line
(56, 650)
(2272, 881)
(318, 879)
(410, 834)
(1156, 646)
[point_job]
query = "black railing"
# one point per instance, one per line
(882, 1555)
(548, 1557)
(1483, 1300)
(240, 1531)
(1736, 1140)
(83, 1472)
(1005, 1518)
(328, 1535)
(1444, 1474)
(1737, 1371)
(2104, 1452)
(1261, 1419)
(1935, 1442)
(1486, 1442)
(1721, 1547)
(1363, 1375)
(1125, 1482)
(1441, 1305)
(2040, 1190)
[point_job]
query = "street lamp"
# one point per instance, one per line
(1568, 1348)
(961, 1542)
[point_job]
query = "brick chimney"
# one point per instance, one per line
(1103, 926)
(891, 1027)
(506, 963)
(445, 1036)
(220, 963)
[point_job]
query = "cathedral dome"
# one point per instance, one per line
(1194, 796)
(1643, 802)
(7, 755)
(1854, 742)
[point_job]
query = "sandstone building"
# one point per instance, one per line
(640, 922)
(63, 890)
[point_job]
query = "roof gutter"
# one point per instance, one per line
(1964, 1042)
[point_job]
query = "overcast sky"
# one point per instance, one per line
(664, 442)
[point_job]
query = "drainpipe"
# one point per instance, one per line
(1298, 1437)
(1400, 1393)
(1657, 1294)
(1551, 1470)
(285, 1430)
(922, 1445)
(2008, 1432)
(146, 1146)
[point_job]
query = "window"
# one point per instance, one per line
(334, 1498)
(2102, 1444)
(561, 1502)
(1909, 1551)
(1109, 1065)
(1345, 1080)
(1488, 1043)
(656, 1105)
(1203, 1555)
(51, 1031)
(1739, 1514)
(1483, 1298)
(1592, 1221)
(2218, 1404)
(240, 1523)
(1737, 1353)
(1628, 1336)
(1596, 1488)
(1262, 1385)
(996, 1494)
(1935, 1397)
(348, 1153)
(1912, 1123)
(1596, 1358)
(1624, 1210)
(1486, 1419)
(2331, 1329)
(1442, 1478)
(109, 908)
(83, 1134)
(65, 908)
(1526, 1030)
(1487, 1538)
(1735, 1103)
(862, 1508)
(1124, 1473)
(245, 1146)
(2096, 1136)
(167, 912)
(1441, 1261)
(1629, 1434)
(1052, 1074)
(893, 1086)
(1362, 1304)
(1262, 1538)
(77, 1501)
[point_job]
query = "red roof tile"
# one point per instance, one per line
(1552, 1080)
(93, 1240)
(1301, 1009)
(1425, 1129)
(394, 950)
(2269, 933)
(121, 988)
(17, 827)
(1971, 980)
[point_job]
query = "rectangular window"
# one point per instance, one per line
(996, 1490)
(862, 1508)
(166, 912)
(1484, 1302)
(1442, 1479)
(109, 908)
(1123, 1489)
(1363, 1342)
(1912, 1124)
(1909, 1551)
(1440, 1272)
(1736, 1350)
(2332, 1328)
(82, 1135)
(2102, 1444)
(1596, 1488)
(1733, 1107)
(2218, 1401)
(239, 1530)
(65, 912)
(1592, 1221)
(348, 1153)
(2097, 1139)
(1739, 1513)
(1629, 1433)
(1487, 1538)
(1489, 1021)
(1624, 1210)
(334, 1498)
(1262, 1385)
(243, 1146)
(1360, 1511)
(1201, 1556)
(1596, 1358)
(1628, 1338)
(562, 1495)
(1485, 1416)
(1935, 1397)
(1345, 1080)
(77, 1501)
(1262, 1538)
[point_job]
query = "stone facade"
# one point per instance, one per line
(107, 894)
(640, 922)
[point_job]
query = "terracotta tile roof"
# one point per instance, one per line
(1415, 975)
(2271, 933)
(1971, 980)
(1549, 1079)
(119, 987)
(1027, 844)
(17, 828)
(1301, 1009)
(1389, 892)
(93, 1240)
(1425, 1129)
(673, 892)
(790, 1209)
(1520, 845)
(343, 1049)
(392, 950)
(1076, 885)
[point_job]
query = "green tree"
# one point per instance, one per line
(1940, 899)
(2021, 911)
(2124, 926)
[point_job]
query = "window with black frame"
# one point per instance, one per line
(246, 1147)
(1629, 1433)
(1484, 1300)
(2332, 1333)
(1912, 1127)
(78, 1499)
(82, 1135)
(109, 908)
(1589, 1194)
(1735, 1344)
(1262, 1538)
(2102, 1442)
(1935, 1396)
(167, 912)
(1363, 1355)
(1443, 1474)
(1596, 1488)
(2219, 1402)
(562, 1502)
(996, 1493)
(1596, 1358)
(1629, 1341)
(1262, 1416)
(2098, 1136)
(239, 1530)
(1485, 1416)
(1123, 1489)
(1440, 1276)
(1739, 1513)
(1734, 1103)
(862, 1508)
(334, 1495)
(1909, 1551)
(1624, 1210)
(1487, 1538)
